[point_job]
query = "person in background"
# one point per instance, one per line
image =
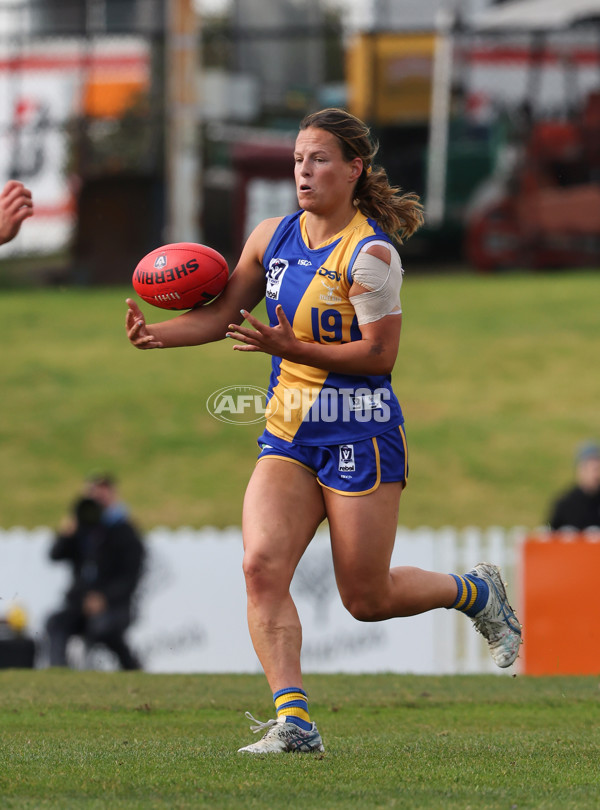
(16, 205)
(579, 507)
(106, 554)
(103, 488)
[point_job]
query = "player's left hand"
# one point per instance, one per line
(279, 340)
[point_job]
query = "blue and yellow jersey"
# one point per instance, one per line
(305, 404)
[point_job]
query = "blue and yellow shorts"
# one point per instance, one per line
(356, 468)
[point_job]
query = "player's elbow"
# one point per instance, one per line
(381, 359)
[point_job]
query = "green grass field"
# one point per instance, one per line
(497, 377)
(88, 740)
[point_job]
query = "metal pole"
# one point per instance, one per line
(182, 130)
(439, 118)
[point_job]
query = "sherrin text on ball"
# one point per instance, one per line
(181, 275)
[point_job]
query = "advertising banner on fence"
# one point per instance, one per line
(192, 604)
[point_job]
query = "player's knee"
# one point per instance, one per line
(260, 573)
(365, 607)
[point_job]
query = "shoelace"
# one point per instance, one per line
(490, 629)
(493, 635)
(495, 629)
(260, 726)
(508, 619)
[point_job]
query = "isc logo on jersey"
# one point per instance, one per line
(346, 461)
(275, 274)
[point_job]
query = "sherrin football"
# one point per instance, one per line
(182, 275)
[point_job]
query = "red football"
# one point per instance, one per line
(180, 276)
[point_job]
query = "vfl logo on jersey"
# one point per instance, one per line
(275, 274)
(346, 461)
(160, 261)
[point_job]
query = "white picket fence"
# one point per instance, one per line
(192, 613)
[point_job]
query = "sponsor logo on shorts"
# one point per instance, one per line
(346, 458)
(275, 274)
(238, 404)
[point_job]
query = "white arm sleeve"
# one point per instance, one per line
(382, 280)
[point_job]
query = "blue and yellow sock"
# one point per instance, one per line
(472, 594)
(292, 703)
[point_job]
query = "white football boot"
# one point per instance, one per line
(497, 621)
(282, 737)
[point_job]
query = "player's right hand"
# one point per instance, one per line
(137, 331)
(16, 205)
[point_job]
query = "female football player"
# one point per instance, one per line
(334, 446)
